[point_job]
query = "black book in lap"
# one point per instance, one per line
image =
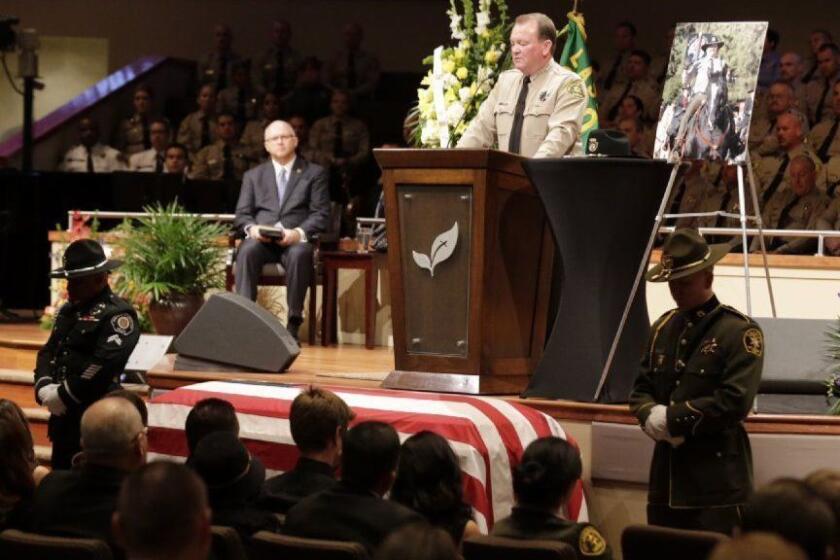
(272, 232)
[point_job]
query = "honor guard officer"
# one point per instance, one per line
(699, 376)
(537, 108)
(88, 348)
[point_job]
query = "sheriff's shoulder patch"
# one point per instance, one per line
(754, 342)
(575, 89)
(590, 542)
(123, 324)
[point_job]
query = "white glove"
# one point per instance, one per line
(656, 426)
(50, 398)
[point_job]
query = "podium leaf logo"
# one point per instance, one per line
(442, 248)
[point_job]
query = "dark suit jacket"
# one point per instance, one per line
(308, 477)
(305, 204)
(347, 513)
(76, 503)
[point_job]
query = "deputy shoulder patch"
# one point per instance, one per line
(575, 89)
(123, 324)
(590, 542)
(754, 342)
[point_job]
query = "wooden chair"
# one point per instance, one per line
(18, 544)
(650, 541)
(499, 548)
(226, 544)
(273, 274)
(271, 546)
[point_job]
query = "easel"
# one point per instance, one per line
(677, 161)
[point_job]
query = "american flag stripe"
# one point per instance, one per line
(488, 435)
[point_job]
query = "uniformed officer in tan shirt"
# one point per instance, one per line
(198, 129)
(799, 207)
(544, 122)
(276, 69)
(353, 69)
(339, 140)
(133, 133)
(216, 66)
(818, 90)
(638, 83)
(780, 99)
(772, 173)
(241, 98)
(825, 136)
(253, 134)
(226, 159)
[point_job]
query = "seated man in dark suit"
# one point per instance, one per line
(353, 510)
(287, 192)
(80, 502)
(318, 420)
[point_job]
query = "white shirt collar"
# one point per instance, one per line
(287, 168)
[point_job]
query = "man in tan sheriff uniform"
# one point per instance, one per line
(699, 375)
(537, 108)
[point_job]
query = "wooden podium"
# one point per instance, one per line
(470, 259)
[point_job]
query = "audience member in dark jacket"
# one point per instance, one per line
(429, 482)
(19, 474)
(318, 420)
(208, 416)
(234, 481)
(353, 510)
(542, 484)
(80, 502)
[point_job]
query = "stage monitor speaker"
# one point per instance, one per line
(233, 330)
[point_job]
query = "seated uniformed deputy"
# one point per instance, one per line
(542, 484)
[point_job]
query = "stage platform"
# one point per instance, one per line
(614, 451)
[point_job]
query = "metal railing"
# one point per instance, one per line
(821, 235)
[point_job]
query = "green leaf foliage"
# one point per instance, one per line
(170, 252)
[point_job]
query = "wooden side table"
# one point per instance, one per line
(332, 261)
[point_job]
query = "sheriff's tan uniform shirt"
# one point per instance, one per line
(210, 161)
(189, 133)
(647, 90)
(785, 210)
(766, 168)
(554, 110)
(820, 133)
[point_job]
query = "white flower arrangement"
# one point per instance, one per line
(462, 75)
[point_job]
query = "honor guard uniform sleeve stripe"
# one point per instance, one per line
(118, 334)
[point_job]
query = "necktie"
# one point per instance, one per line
(810, 73)
(783, 223)
(338, 141)
(279, 77)
(90, 168)
(821, 104)
(351, 70)
(159, 162)
(240, 106)
(227, 169)
(777, 179)
(282, 180)
(829, 140)
(608, 83)
(221, 78)
(515, 144)
(205, 131)
(614, 111)
(147, 140)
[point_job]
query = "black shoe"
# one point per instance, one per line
(293, 326)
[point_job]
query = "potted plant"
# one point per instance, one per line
(170, 259)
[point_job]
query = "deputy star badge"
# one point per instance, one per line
(754, 342)
(543, 95)
(122, 323)
(591, 543)
(709, 347)
(575, 89)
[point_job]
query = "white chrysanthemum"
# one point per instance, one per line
(465, 94)
(482, 20)
(454, 113)
(429, 134)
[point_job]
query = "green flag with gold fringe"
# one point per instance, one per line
(575, 57)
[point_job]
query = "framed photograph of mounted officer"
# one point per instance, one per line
(709, 91)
